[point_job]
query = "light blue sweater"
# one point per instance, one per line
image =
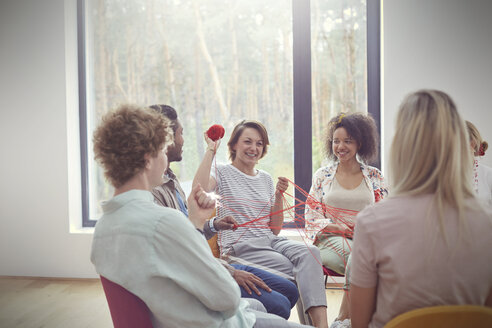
(158, 255)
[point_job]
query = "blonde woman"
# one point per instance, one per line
(482, 175)
(429, 243)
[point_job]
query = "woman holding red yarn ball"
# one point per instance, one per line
(215, 132)
(249, 195)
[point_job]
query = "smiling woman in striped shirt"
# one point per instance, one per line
(249, 194)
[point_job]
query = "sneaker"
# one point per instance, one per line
(341, 324)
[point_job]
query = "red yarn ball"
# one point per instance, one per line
(215, 132)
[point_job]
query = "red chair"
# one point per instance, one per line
(127, 310)
(328, 272)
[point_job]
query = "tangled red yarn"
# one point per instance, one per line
(481, 151)
(215, 132)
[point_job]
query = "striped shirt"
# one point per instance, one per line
(245, 198)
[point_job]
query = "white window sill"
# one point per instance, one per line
(291, 233)
(81, 230)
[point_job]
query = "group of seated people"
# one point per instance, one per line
(424, 245)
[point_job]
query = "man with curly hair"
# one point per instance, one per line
(153, 251)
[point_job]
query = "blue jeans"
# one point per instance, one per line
(280, 300)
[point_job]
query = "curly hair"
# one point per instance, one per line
(361, 128)
(125, 136)
(238, 130)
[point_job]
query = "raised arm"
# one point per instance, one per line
(202, 175)
(200, 205)
(277, 220)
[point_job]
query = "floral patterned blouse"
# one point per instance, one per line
(322, 181)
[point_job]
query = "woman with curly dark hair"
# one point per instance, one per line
(340, 190)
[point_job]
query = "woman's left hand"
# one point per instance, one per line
(282, 185)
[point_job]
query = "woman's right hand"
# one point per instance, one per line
(211, 145)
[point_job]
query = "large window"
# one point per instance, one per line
(339, 74)
(219, 61)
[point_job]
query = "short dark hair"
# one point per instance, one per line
(360, 127)
(168, 112)
(238, 130)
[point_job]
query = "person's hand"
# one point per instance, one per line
(282, 184)
(348, 231)
(211, 145)
(200, 206)
(338, 229)
(249, 282)
(225, 223)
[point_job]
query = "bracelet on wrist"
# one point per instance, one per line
(211, 224)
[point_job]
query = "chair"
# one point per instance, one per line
(127, 310)
(446, 316)
(214, 246)
(329, 272)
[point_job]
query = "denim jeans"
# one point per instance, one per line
(280, 300)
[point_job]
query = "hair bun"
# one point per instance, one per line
(483, 148)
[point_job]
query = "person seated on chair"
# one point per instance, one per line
(482, 174)
(347, 184)
(154, 252)
(429, 243)
(276, 293)
(260, 246)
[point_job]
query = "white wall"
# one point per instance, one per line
(445, 44)
(34, 227)
(440, 44)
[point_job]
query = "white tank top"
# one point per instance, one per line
(351, 199)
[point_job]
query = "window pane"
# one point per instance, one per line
(339, 66)
(215, 61)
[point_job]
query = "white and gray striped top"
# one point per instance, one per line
(246, 198)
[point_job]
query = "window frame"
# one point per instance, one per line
(302, 96)
(84, 165)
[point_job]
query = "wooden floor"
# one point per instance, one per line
(74, 303)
